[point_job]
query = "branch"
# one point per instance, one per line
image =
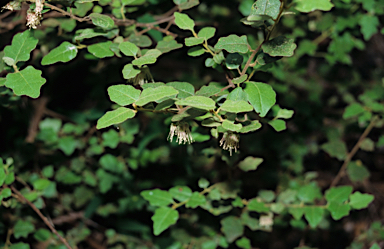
(87, 18)
(353, 152)
(36, 118)
(21, 197)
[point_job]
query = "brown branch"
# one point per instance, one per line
(21, 197)
(341, 172)
(87, 18)
(250, 59)
(39, 105)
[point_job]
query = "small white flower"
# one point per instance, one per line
(13, 5)
(39, 7)
(33, 19)
(181, 130)
(230, 141)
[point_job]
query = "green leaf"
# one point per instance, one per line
(357, 172)
(359, 201)
(154, 94)
(253, 126)
(115, 117)
(199, 102)
(250, 163)
(64, 53)
(185, 89)
(181, 193)
(41, 184)
(128, 48)
(208, 91)
(192, 41)
(23, 229)
(279, 46)
(203, 183)
(375, 246)
(111, 139)
(336, 148)
(189, 4)
(308, 193)
(257, 206)
(338, 194)
(233, 44)
(196, 51)
(123, 94)
(102, 21)
(163, 218)
(278, 125)
(142, 41)
(369, 26)
(2, 174)
(150, 57)
(313, 215)
(82, 34)
(231, 126)
(233, 61)
(177, 2)
(237, 94)
(353, 110)
(195, 200)
(240, 79)
(266, 7)
(26, 82)
(236, 106)
(232, 228)
(284, 113)
(157, 197)
(207, 32)
(309, 6)
(338, 210)
(183, 21)
(42, 234)
(296, 212)
(67, 145)
(21, 47)
(244, 243)
(101, 50)
(261, 96)
(19, 245)
(169, 45)
(129, 72)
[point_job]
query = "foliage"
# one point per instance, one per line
(293, 90)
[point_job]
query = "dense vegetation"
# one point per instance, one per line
(187, 124)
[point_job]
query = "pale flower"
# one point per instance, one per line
(181, 130)
(33, 19)
(13, 5)
(230, 141)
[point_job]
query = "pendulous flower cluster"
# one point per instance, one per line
(230, 141)
(181, 130)
(34, 16)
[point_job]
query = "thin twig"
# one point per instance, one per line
(87, 18)
(40, 106)
(353, 152)
(21, 197)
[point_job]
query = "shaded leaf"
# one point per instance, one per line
(232, 228)
(359, 201)
(236, 106)
(338, 194)
(313, 215)
(336, 148)
(278, 125)
(129, 72)
(101, 20)
(250, 163)
(181, 193)
(163, 218)
(199, 102)
(128, 48)
(101, 50)
(279, 46)
(266, 7)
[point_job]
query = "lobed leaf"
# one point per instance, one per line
(279, 46)
(20, 49)
(157, 197)
(163, 218)
(25, 82)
